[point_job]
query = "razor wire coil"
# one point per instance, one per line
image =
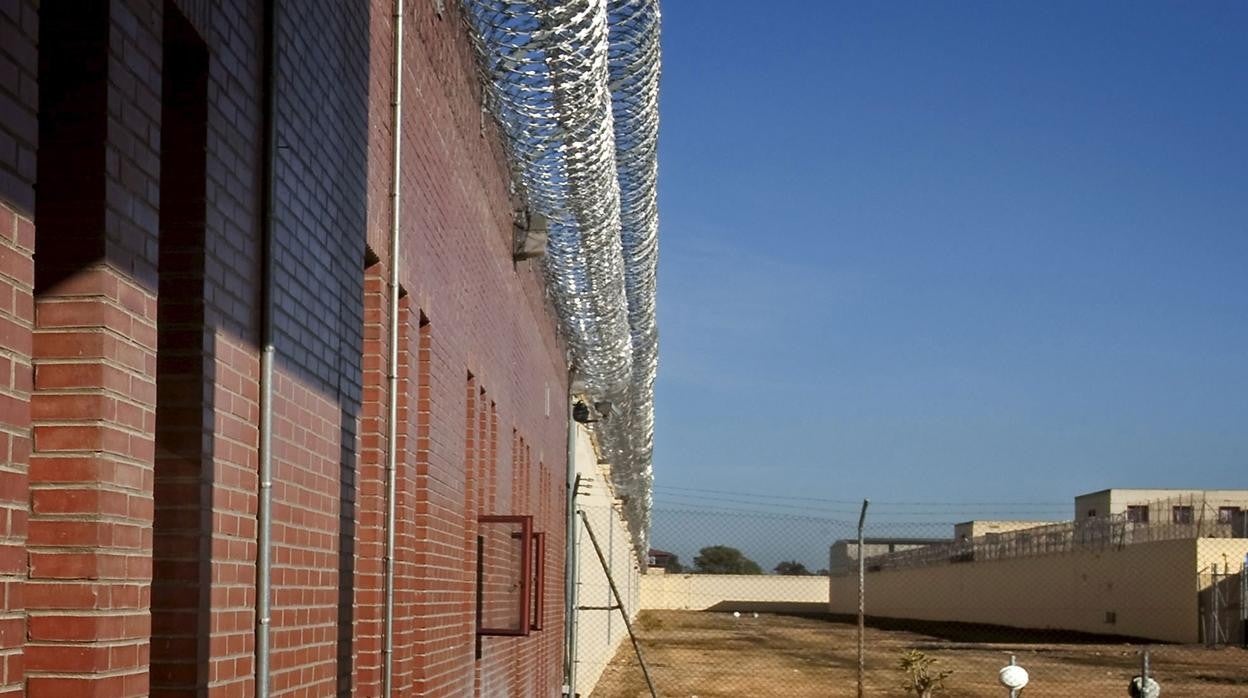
(573, 84)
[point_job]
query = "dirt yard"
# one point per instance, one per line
(708, 654)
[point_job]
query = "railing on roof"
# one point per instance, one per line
(1168, 519)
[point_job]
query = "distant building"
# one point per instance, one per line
(974, 529)
(1166, 565)
(843, 558)
(658, 560)
(1180, 506)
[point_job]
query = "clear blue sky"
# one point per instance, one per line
(952, 252)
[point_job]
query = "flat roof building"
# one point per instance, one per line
(974, 529)
(843, 557)
(1166, 505)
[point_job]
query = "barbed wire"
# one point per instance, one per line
(874, 502)
(927, 517)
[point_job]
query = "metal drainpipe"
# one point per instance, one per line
(264, 507)
(392, 377)
(570, 554)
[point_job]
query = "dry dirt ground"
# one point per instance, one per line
(711, 654)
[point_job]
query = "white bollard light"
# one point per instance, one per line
(1013, 677)
(1148, 688)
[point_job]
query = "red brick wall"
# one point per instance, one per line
(305, 534)
(487, 317)
(16, 316)
(127, 477)
(231, 30)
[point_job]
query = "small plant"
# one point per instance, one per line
(921, 679)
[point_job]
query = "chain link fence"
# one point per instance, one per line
(740, 602)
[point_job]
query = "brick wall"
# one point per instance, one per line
(319, 255)
(232, 31)
(136, 572)
(487, 318)
(16, 316)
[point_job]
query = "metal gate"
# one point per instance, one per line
(1223, 613)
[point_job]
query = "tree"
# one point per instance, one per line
(721, 559)
(673, 566)
(791, 568)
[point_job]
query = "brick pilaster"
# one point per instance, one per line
(19, 24)
(16, 317)
(370, 489)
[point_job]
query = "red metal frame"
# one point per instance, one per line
(539, 580)
(526, 575)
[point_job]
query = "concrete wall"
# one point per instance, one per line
(700, 592)
(599, 633)
(1150, 588)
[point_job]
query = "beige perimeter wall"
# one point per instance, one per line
(1151, 588)
(733, 592)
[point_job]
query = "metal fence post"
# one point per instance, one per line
(1243, 604)
(862, 606)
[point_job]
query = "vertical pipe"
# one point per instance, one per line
(392, 368)
(264, 564)
(862, 606)
(264, 505)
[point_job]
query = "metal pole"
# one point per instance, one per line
(264, 446)
(392, 369)
(1243, 601)
(264, 518)
(1013, 662)
(571, 561)
(628, 625)
(1215, 612)
(862, 600)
